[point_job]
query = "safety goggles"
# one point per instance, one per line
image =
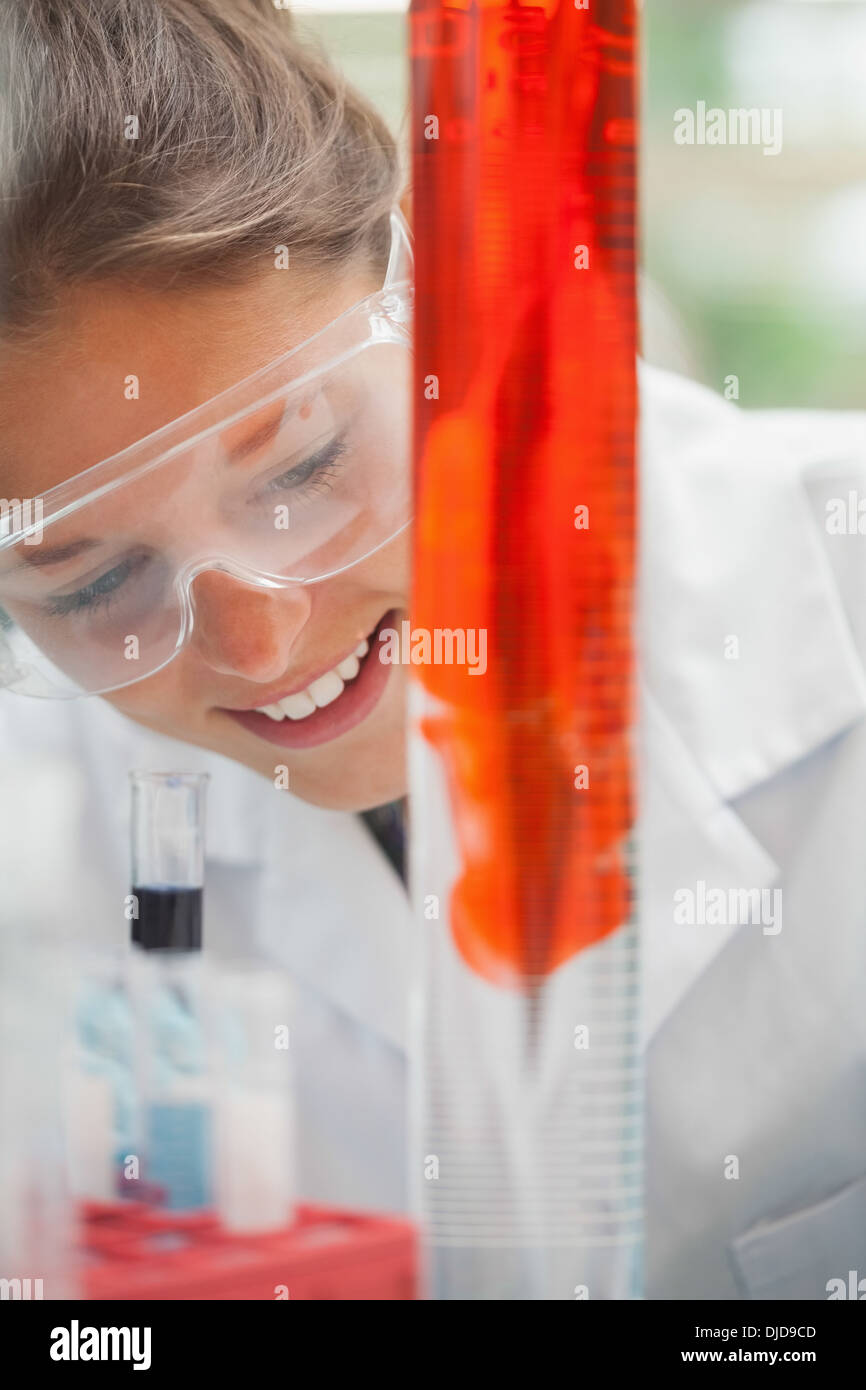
(291, 477)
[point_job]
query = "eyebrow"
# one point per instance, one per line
(40, 556)
(257, 440)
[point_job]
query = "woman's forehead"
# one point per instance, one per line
(117, 363)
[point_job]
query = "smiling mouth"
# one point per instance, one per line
(320, 692)
(331, 705)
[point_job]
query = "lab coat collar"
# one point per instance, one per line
(747, 656)
(744, 639)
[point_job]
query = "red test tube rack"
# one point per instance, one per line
(135, 1251)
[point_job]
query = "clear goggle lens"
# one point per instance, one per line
(293, 490)
(291, 477)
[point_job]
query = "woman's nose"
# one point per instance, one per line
(245, 631)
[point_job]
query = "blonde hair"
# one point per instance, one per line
(176, 139)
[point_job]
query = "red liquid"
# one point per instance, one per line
(534, 361)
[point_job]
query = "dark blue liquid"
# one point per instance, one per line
(169, 919)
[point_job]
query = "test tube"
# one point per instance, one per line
(254, 1148)
(168, 859)
(174, 1066)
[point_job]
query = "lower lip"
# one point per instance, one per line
(357, 700)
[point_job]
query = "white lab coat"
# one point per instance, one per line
(754, 778)
(754, 775)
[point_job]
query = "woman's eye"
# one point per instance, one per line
(318, 469)
(97, 592)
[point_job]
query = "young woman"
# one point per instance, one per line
(204, 384)
(192, 199)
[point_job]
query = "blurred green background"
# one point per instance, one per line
(754, 265)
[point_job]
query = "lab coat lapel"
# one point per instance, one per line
(837, 489)
(688, 836)
(746, 652)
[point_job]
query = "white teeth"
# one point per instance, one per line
(326, 689)
(348, 669)
(319, 692)
(297, 706)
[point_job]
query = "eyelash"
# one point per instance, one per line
(319, 469)
(95, 595)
